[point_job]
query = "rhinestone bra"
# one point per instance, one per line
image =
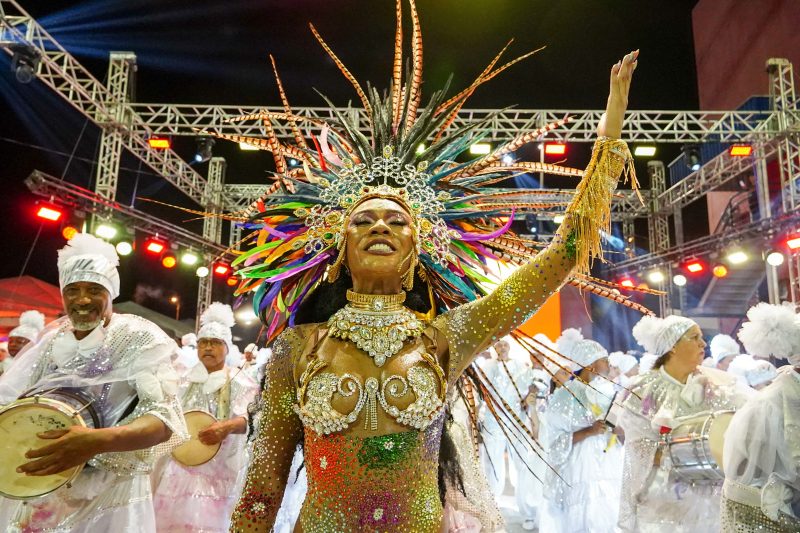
(316, 390)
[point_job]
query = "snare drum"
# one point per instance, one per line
(695, 447)
(21, 421)
(193, 452)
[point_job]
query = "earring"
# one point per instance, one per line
(408, 277)
(335, 269)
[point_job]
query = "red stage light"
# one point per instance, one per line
(793, 242)
(719, 271)
(232, 281)
(627, 282)
(154, 246)
(169, 261)
(555, 149)
(160, 143)
(69, 232)
(695, 267)
(740, 150)
(221, 269)
(50, 213)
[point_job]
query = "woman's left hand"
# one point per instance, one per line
(621, 75)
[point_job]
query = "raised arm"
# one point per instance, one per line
(472, 327)
(279, 433)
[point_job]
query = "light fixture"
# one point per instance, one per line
(558, 219)
(169, 260)
(719, 271)
(736, 257)
(154, 246)
(247, 147)
(679, 280)
(189, 258)
(173, 299)
(105, 231)
(656, 276)
(159, 143)
(627, 282)
(644, 151)
(775, 258)
(421, 148)
(507, 159)
(49, 212)
(691, 154)
(694, 266)
(221, 269)
(232, 281)
(24, 62)
(205, 147)
(69, 232)
(202, 271)
(555, 149)
(124, 248)
(480, 149)
(246, 315)
(740, 150)
(793, 242)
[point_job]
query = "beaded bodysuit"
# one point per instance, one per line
(372, 432)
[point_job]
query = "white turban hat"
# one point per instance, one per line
(31, 323)
(87, 258)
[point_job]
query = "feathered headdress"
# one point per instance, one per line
(88, 258)
(31, 323)
(410, 155)
(771, 330)
(216, 323)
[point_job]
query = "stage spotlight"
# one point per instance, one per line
(154, 246)
(105, 231)
(24, 62)
(507, 159)
(202, 271)
(221, 269)
(169, 260)
(627, 282)
(49, 212)
(775, 259)
(793, 242)
(558, 219)
(247, 147)
(694, 266)
(189, 258)
(480, 149)
(644, 151)
(232, 281)
(740, 150)
(555, 149)
(679, 280)
(656, 276)
(124, 248)
(691, 154)
(719, 271)
(736, 256)
(69, 232)
(160, 143)
(205, 147)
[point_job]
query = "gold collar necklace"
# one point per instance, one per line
(377, 323)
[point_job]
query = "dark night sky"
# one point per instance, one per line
(216, 52)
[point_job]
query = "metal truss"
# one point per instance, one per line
(759, 229)
(212, 227)
(77, 197)
(502, 124)
(60, 71)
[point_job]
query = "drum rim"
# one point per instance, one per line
(218, 445)
(703, 437)
(73, 393)
(50, 404)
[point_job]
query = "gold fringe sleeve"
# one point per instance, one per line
(472, 327)
(279, 433)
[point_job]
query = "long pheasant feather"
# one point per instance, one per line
(298, 137)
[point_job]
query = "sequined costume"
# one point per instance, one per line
(762, 461)
(201, 498)
(653, 500)
(358, 481)
(582, 487)
(126, 367)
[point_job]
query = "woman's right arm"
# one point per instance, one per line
(279, 433)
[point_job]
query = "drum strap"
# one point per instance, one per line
(131, 407)
(224, 403)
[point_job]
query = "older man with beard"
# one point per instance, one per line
(122, 364)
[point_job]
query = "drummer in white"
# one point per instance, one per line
(123, 364)
(654, 499)
(201, 498)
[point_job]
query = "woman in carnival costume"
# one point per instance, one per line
(653, 498)
(368, 266)
(762, 445)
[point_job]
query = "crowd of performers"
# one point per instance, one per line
(604, 461)
(396, 397)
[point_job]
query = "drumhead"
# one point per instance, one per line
(193, 452)
(20, 422)
(716, 434)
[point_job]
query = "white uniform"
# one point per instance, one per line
(653, 500)
(762, 461)
(126, 368)
(582, 488)
(201, 498)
